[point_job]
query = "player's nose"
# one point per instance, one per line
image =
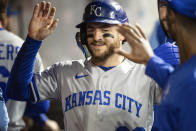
(98, 35)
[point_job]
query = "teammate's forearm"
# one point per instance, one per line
(38, 108)
(22, 71)
(159, 70)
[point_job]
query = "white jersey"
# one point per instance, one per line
(95, 100)
(9, 46)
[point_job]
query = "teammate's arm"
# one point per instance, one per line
(41, 25)
(142, 53)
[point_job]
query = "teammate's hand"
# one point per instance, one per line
(141, 51)
(42, 22)
(51, 125)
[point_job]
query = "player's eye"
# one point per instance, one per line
(89, 31)
(162, 3)
(108, 35)
(89, 35)
(105, 30)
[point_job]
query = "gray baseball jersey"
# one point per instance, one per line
(9, 47)
(95, 100)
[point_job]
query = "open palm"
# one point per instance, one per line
(42, 22)
(141, 51)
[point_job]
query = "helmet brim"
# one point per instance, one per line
(103, 20)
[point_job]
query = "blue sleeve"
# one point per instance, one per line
(38, 108)
(40, 119)
(3, 114)
(159, 70)
(18, 86)
(169, 52)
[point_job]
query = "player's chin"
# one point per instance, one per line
(101, 56)
(98, 55)
(98, 52)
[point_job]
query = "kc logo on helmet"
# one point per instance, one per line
(96, 10)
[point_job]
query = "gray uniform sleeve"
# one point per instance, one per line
(45, 85)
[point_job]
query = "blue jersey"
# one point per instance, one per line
(177, 109)
(169, 52)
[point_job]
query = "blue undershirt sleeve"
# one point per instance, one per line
(40, 119)
(159, 70)
(18, 86)
(38, 108)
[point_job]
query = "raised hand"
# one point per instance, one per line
(42, 23)
(141, 51)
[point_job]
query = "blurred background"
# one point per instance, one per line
(61, 45)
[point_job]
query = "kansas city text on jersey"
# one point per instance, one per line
(103, 98)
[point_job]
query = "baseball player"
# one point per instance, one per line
(36, 111)
(10, 45)
(177, 109)
(104, 92)
(3, 110)
(169, 52)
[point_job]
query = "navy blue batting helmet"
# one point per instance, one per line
(104, 11)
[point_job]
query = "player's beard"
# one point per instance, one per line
(106, 54)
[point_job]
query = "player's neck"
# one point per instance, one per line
(113, 60)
